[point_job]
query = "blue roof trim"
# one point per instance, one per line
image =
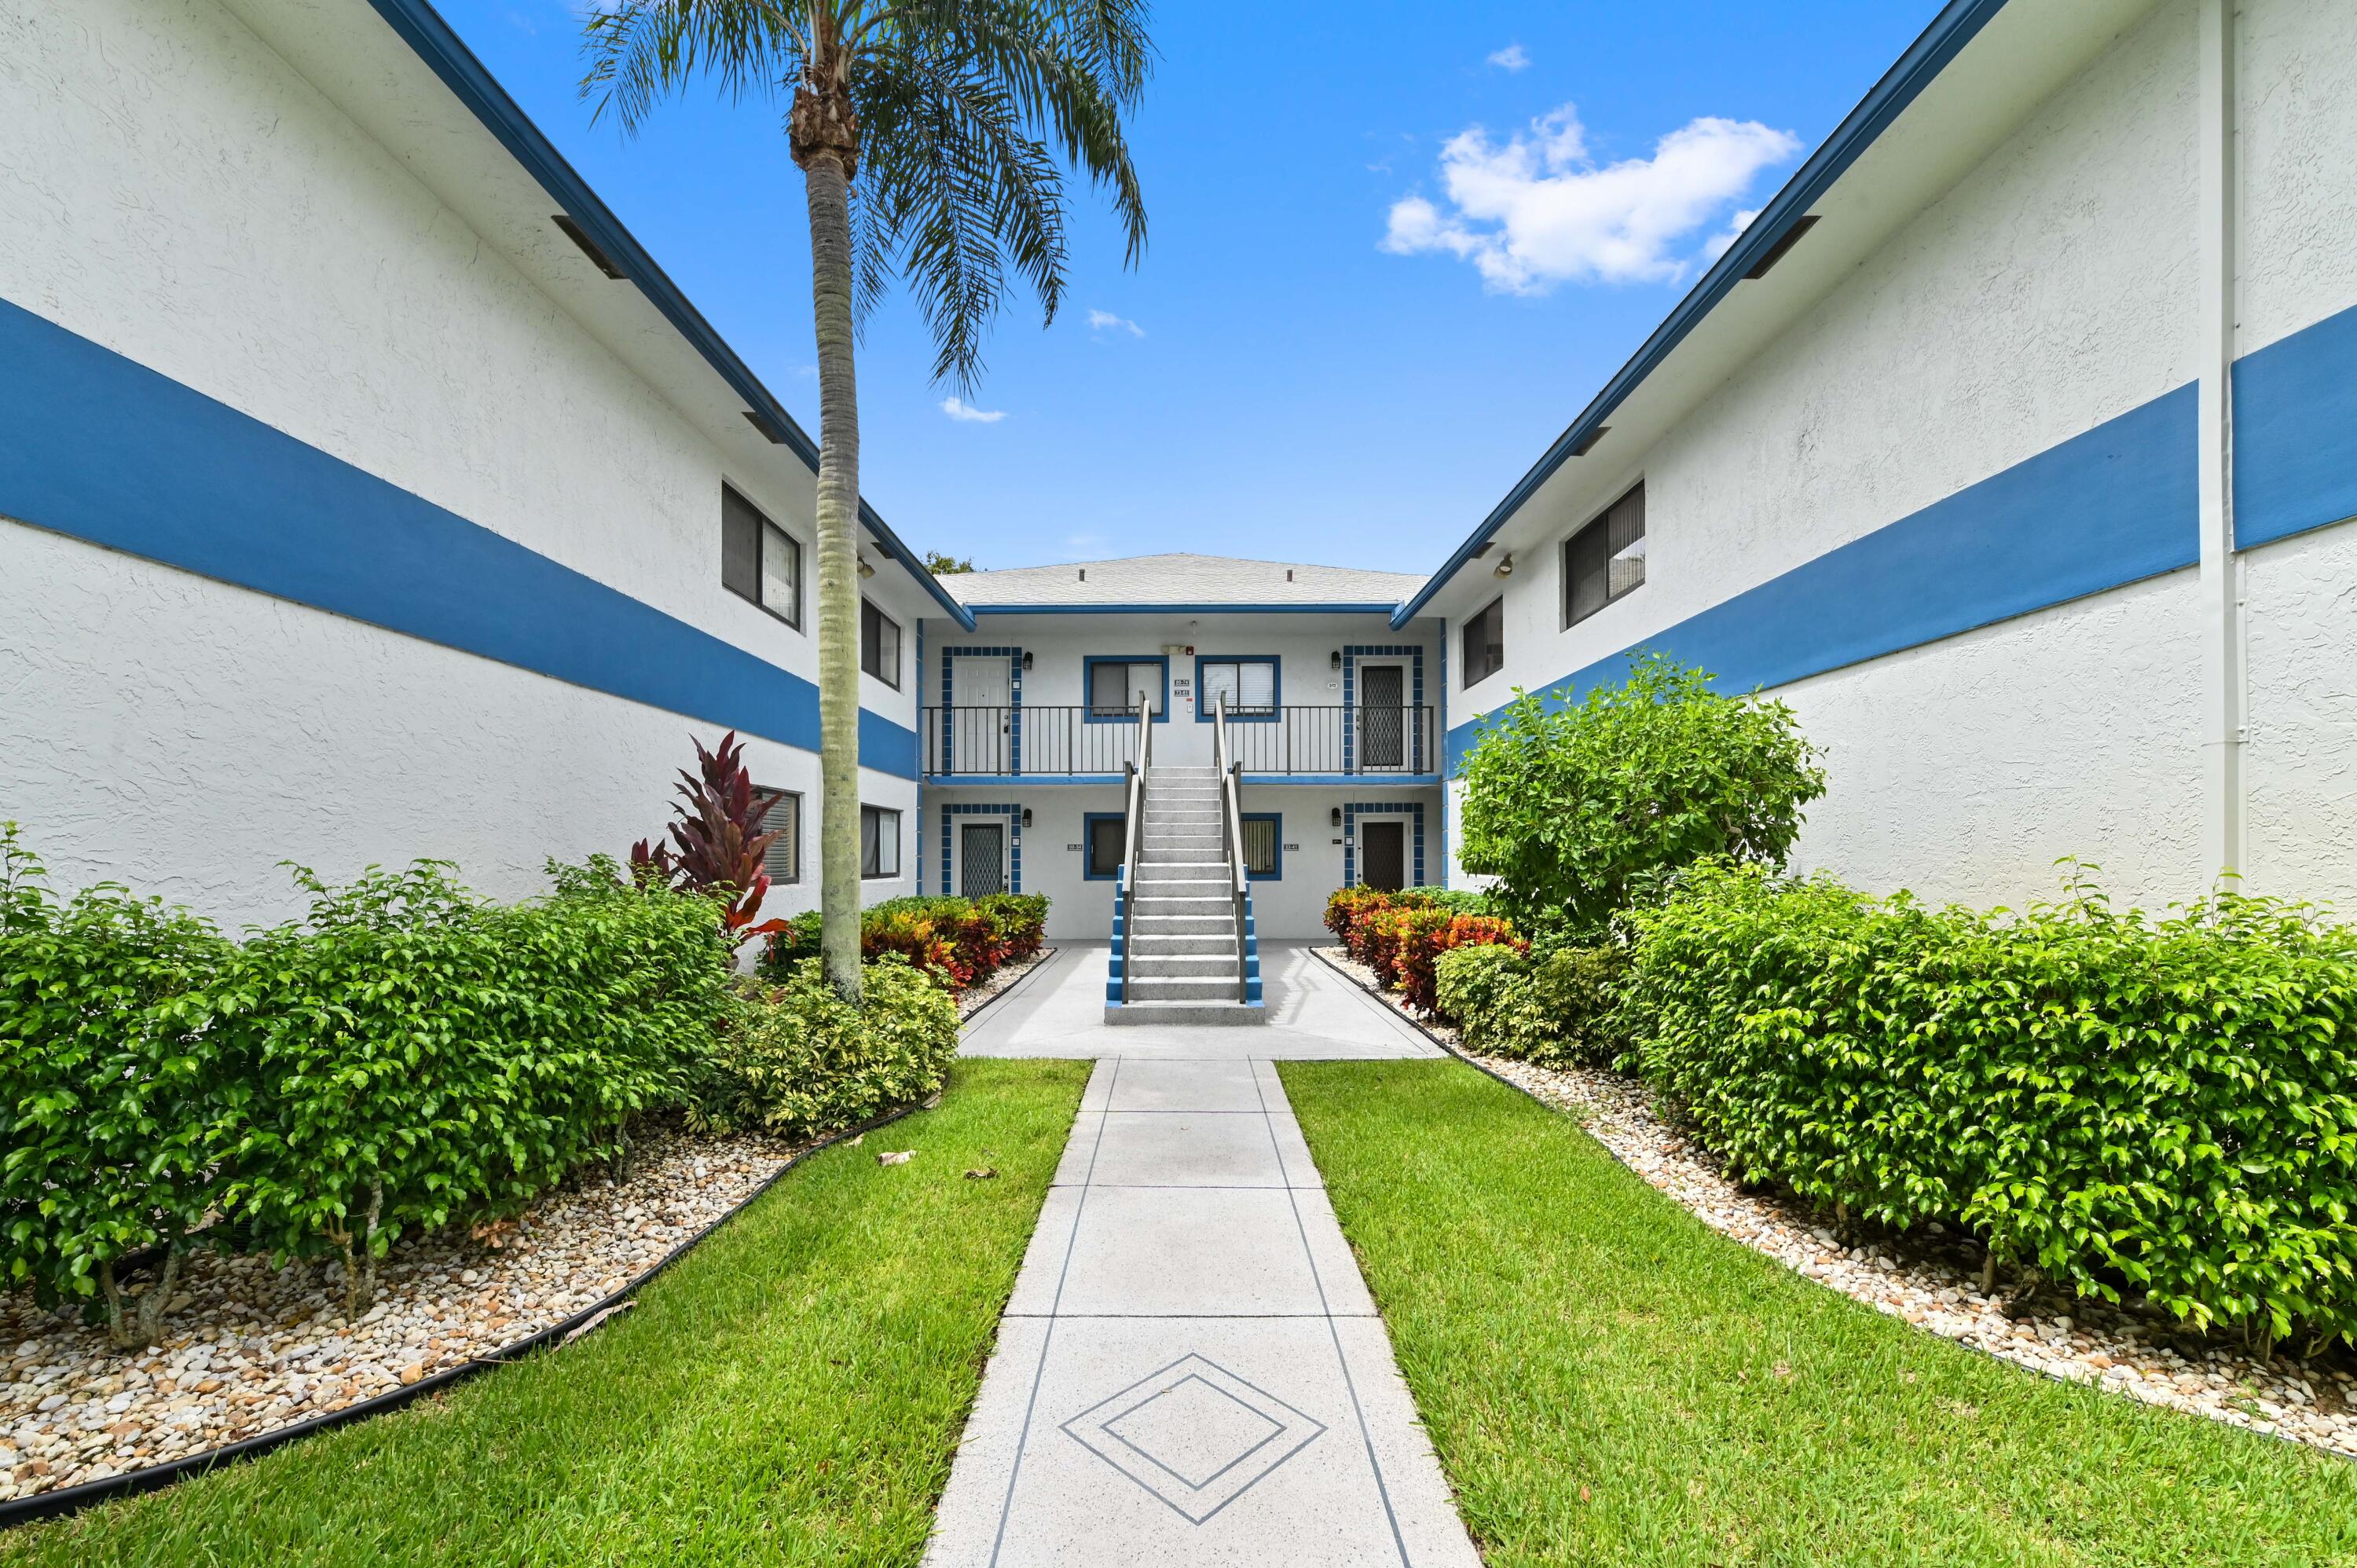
(1379, 607)
(1957, 25)
(424, 30)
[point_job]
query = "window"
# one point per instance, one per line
(1264, 848)
(758, 560)
(1115, 685)
(1485, 641)
(1606, 559)
(880, 645)
(880, 842)
(1107, 833)
(1248, 684)
(783, 859)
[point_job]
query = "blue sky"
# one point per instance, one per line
(1392, 249)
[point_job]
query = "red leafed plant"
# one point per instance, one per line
(718, 837)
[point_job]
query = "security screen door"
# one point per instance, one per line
(1382, 855)
(981, 698)
(981, 859)
(1382, 729)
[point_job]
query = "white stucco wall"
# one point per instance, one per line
(2301, 614)
(2297, 68)
(178, 193)
(184, 737)
(2052, 288)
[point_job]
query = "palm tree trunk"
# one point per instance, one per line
(829, 193)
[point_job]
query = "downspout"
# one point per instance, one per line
(1440, 752)
(2223, 708)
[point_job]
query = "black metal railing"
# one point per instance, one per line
(1335, 739)
(1072, 739)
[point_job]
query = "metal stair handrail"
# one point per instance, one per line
(1231, 837)
(1133, 848)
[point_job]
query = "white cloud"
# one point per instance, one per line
(1537, 209)
(959, 409)
(1103, 321)
(1716, 246)
(1513, 56)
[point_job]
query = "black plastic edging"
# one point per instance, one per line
(1961, 1344)
(155, 1478)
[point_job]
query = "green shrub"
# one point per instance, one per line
(1424, 935)
(800, 1060)
(116, 1096)
(2127, 1104)
(1582, 810)
(416, 1053)
(961, 942)
(1556, 1007)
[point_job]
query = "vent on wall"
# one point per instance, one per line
(1785, 241)
(1588, 442)
(770, 433)
(588, 246)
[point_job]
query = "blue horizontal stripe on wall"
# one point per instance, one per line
(2101, 510)
(98, 447)
(2295, 432)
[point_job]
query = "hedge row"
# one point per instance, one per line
(407, 1054)
(2132, 1106)
(1401, 936)
(1555, 1006)
(960, 942)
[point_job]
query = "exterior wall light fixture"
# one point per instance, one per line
(1334, 660)
(1027, 816)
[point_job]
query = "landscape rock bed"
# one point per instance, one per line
(974, 998)
(1932, 1279)
(250, 1348)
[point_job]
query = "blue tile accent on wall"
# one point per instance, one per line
(1352, 811)
(100, 447)
(1351, 653)
(2105, 508)
(1014, 815)
(1014, 656)
(2295, 432)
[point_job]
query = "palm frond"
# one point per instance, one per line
(641, 51)
(964, 106)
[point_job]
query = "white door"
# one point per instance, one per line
(982, 718)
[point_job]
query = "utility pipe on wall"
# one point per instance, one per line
(2225, 836)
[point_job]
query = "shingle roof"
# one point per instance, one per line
(1183, 579)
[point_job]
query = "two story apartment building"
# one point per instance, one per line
(368, 492)
(1032, 719)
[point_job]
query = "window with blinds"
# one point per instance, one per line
(880, 842)
(880, 645)
(1248, 684)
(758, 560)
(783, 859)
(1605, 560)
(1116, 685)
(1108, 841)
(1484, 647)
(1262, 849)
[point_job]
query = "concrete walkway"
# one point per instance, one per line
(1191, 1371)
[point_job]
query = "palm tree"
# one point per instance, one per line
(933, 137)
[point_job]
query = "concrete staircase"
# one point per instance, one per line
(1181, 913)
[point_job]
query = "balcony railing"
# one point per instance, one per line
(1070, 740)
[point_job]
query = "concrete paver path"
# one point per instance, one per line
(1190, 1370)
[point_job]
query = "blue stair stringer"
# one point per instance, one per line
(1252, 955)
(1120, 913)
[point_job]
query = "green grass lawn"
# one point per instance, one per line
(791, 1392)
(1607, 1380)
